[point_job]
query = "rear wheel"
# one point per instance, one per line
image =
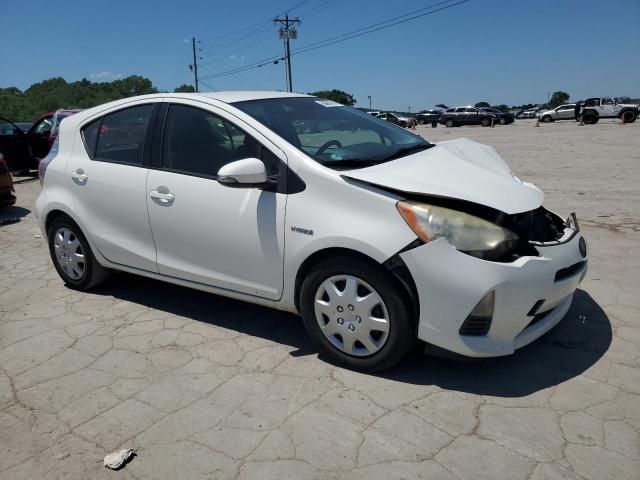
(629, 116)
(449, 123)
(72, 256)
(502, 121)
(356, 315)
(485, 122)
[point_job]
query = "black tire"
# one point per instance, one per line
(402, 330)
(547, 119)
(449, 123)
(93, 273)
(629, 116)
(502, 121)
(590, 118)
(485, 122)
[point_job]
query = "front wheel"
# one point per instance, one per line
(356, 315)
(590, 118)
(448, 123)
(485, 122)
(503, 121)
(72, 256)
(546, 119)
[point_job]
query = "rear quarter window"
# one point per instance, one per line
(90, 137)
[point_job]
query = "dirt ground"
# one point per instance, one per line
(205, 387)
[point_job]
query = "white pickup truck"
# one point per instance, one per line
(607, 107)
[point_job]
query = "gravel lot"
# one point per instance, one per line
(206, 387)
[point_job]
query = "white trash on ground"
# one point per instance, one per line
(117, 459)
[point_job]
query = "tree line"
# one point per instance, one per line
(54, 93)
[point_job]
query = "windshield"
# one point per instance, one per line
(334, 135)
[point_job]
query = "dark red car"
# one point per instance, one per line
(23, 151)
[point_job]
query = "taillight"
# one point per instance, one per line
(44, 163)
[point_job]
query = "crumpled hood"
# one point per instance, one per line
(460, 169)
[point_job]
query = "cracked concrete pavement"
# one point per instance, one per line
(207, 387)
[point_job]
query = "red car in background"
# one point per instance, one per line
(7, 191)
(23, 151)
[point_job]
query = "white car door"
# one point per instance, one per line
(206, 232)
(108, 181)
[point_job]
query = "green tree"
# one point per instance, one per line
(503, 107)
(558, 98)
(337, 96)
(184, 88)
(481, 105)
(56, 92)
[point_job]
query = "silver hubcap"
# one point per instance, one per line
(351, 315)
(69, 253)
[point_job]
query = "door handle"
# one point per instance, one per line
(162, 196)
(79, 175)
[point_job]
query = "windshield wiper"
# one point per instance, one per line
(347, 163)
(402, 152)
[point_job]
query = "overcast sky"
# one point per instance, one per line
(500, 51)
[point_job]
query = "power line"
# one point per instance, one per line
(345, 36)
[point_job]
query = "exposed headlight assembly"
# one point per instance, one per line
(467, 233)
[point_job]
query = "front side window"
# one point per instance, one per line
(199, 142)
(334, 135)
(121, 135)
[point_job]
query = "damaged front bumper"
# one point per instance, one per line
(530, 295)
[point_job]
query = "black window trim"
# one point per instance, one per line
(148, 137)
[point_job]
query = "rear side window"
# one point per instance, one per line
(121, 135)
(90, 137)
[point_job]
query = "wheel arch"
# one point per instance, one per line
(395, 266)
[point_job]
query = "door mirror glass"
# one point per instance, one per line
(249, 171)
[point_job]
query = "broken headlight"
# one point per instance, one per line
(467, 233)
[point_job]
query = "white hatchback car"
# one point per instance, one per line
(375, 236)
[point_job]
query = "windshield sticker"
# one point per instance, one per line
(329, 103)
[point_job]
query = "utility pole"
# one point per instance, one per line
(194, 66)
(369, 96)
(288, 31)
(409, 109)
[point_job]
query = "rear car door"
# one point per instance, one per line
(565, 112)
(109, 179)
(230, 237)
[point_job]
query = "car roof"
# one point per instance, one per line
(237, 96)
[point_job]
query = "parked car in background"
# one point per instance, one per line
(24, 126)
(607, 107)
(7, 191)
(23, 150)
(467, 115)
(428, 116)
(375, 113)
(562, 112)
(385, 238)
(407, 122)
(503, 118)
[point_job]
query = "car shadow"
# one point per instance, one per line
(572, 347)
(12, 214)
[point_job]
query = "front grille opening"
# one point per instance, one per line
(475, 326)
(570, 271)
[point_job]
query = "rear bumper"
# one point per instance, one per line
(451, 283)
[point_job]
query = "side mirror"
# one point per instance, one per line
(248, 172)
